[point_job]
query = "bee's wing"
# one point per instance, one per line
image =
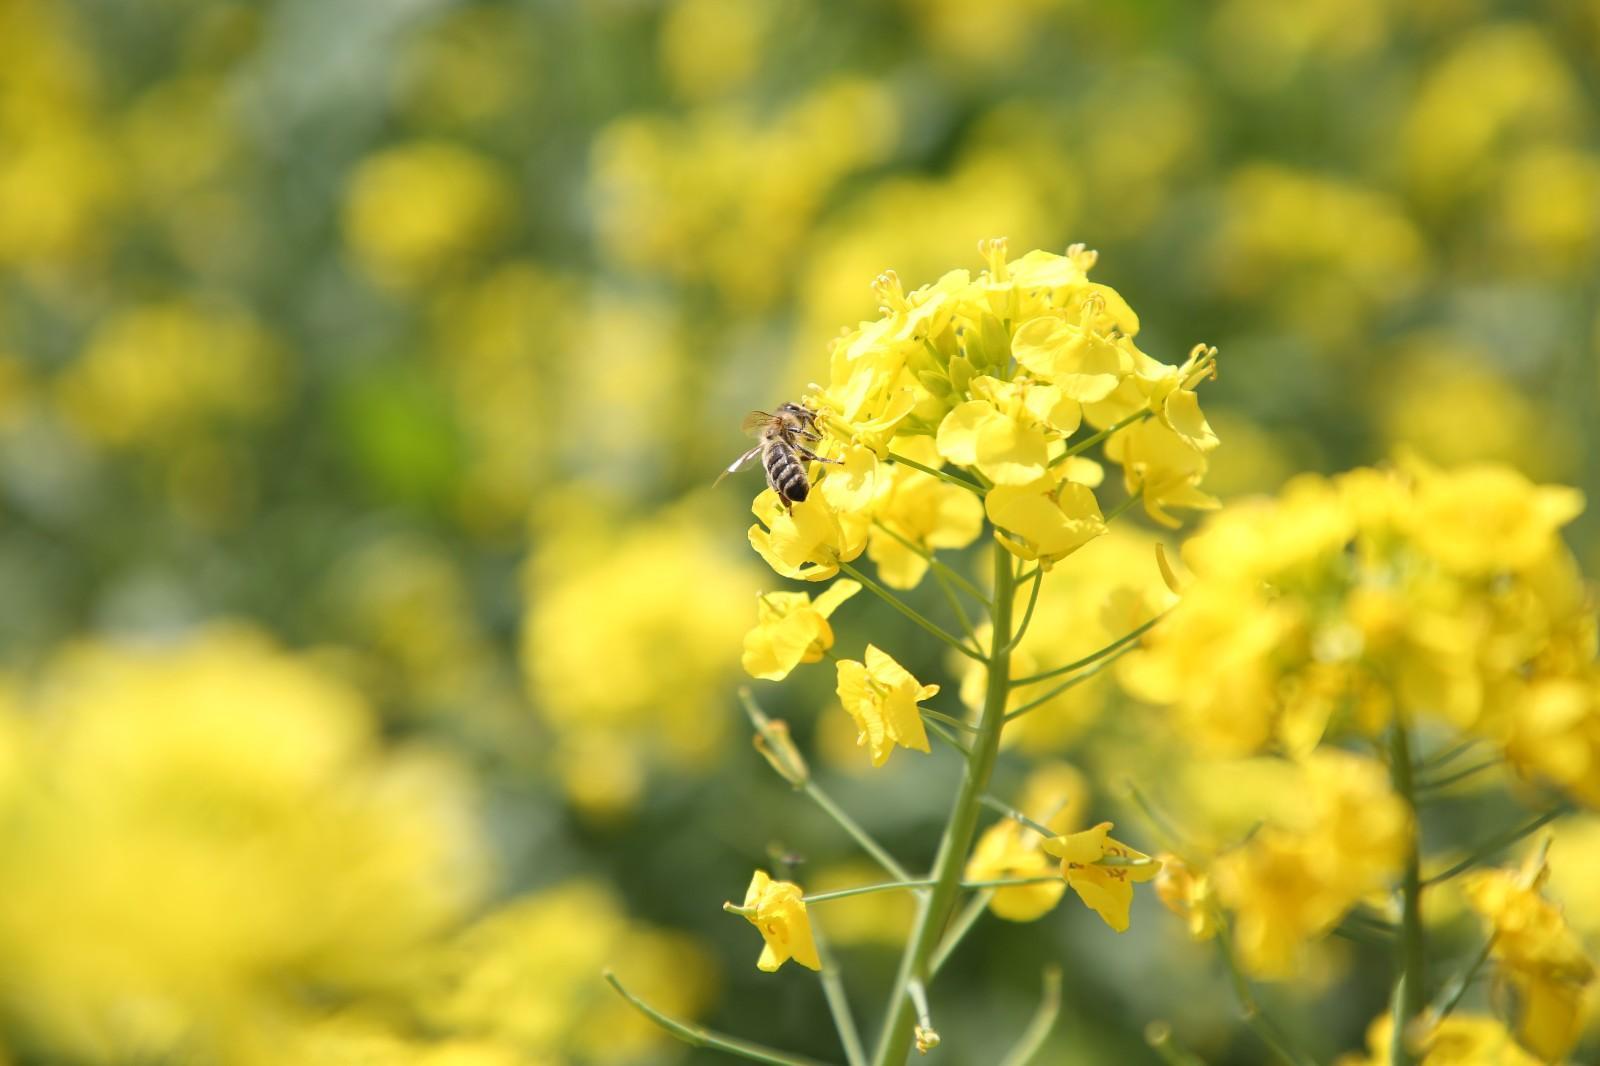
(755, 422)
(739, 464)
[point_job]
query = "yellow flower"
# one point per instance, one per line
(808, 541)
(778, 911)
(1487, 518)
(1458, 1040)
(1085, 364)
(1046, 520)
(1005, 448)
(791, 629)
(1162, 466)
(1338, 836)
(1538, 954)
(1188, 895)
(1105, 889)
(882, 696)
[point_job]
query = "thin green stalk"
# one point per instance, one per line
(950, 572)
(1044, 1020)
(1071, 682)
(700, 1036)
(950, 597)
(959, 928)
(855, 1053)
(1250, 1008)
(910, 612)
(1450, 997)
(1436, 783)
(1159, 821)
(854, 828)
(1126, 638)
(933, 915)
(944, 734)
(943, 475)
(1409, 991)
(949, 720)
(1450, 754)
(894, 886)
(1089, 442)
(1027, 615)
(1122, 508)
(1498, 843)
(759, 719)
(994, 803)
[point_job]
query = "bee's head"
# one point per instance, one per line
(804, 416)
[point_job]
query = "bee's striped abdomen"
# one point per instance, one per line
(785, 473)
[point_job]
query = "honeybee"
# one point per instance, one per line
(784, 434)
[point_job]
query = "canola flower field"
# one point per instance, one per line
(1184, 651)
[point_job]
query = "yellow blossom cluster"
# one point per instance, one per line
(1438, 595)
(1458, 1040)
(993, 375)
(1337, 835)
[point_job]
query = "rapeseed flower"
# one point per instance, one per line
(1106, 889)
(1053, 796)
(882, 697)
(792, 628)
(778, 911)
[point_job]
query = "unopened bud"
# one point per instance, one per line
(775, 746)
(926, 1038)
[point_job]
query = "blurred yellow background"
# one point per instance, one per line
(369, 625)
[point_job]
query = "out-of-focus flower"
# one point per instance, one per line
(709, 47)
(1187, 894)
(915, 514)
(1447, 592)
(154, 375)
(882, 697)
(778, 911)
(1459, 1040)
(1341, 837)
(522, 977)
(619, 695)
(416, 212)
(791, 629)
(1105, 888)
(1536, 953)
(179, 810)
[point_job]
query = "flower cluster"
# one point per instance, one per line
(1438, 595)
(995, 375)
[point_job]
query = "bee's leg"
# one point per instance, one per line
(814, 457)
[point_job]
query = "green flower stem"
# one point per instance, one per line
(860, 835)
(937, 564)
(1122, 508)
(934, 913)
(1163, 825)
(996, 804)
(1094, 656)
(699, 1036)
(1496, 844)
(855, 1053)
(894, 886)
(943, 475)
(1250, 1008)
(1449, 755)
(1044, 1020)
(950, 597)
(1089, 442)
(1071, 682)
(759, 719)
(1436, 783)
(948, 737)
(948, 719)
(1409, 992)
(1027, 615)
(1450, 997)
(911, 612)
(959, 928)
